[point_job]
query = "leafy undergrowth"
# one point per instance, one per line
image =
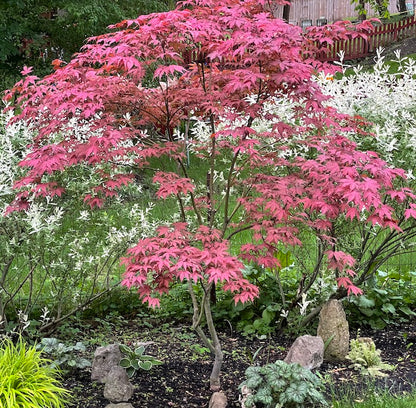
(183, 378)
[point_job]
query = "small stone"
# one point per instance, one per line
(308, 351)
(245, 393)
(334, 330)
(117, 385)
(104, 359)
(218, 400)
(121, 405)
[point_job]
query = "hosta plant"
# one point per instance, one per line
(134, 360)
(282, 385)
(27, 380)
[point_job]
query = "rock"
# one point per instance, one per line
(104, 359)
(218, 400)
(117, 385)
(308, 351)
(334, 330)
(121, 405)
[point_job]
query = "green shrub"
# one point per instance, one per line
(26, 379)
(388, 299)
(279, 384)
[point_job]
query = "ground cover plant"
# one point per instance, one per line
(282, 384)
(366, 357)
(205, 81)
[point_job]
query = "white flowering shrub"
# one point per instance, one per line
(59, 254)
(387, 100)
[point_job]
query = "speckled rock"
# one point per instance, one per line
(105, 358)
(334, 330)
(118, 387)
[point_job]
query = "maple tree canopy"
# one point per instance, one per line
(117, 103)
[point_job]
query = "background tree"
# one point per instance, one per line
(286, 11)
(35, 32)
(379, 6)
(199, 82)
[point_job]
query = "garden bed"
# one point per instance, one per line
(183, 379)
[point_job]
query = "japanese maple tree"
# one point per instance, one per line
(199, 81)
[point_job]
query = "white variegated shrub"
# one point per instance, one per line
(59, 254)
(385, 98)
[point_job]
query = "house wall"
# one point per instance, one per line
(332, 10)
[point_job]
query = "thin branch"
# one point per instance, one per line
(55, 322)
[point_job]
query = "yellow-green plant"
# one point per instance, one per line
(26, 379)
(366, 358)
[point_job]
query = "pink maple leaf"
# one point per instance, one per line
(26, 70)
(172, 184)
(410, 212)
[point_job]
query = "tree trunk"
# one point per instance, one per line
(213, 342)
(401, 6)
(214, 379)
(286, 12)
(362, 15)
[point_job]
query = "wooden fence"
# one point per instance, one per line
(382, 36)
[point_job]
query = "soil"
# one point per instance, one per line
(183, 378)
(406, 47)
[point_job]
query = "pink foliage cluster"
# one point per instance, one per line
(176, 253)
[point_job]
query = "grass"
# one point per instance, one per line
(374, 398)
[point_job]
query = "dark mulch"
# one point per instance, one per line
(183, 379)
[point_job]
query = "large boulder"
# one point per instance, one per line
(105, 358)
(334, 330)
(308, 351)
(117, 385)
